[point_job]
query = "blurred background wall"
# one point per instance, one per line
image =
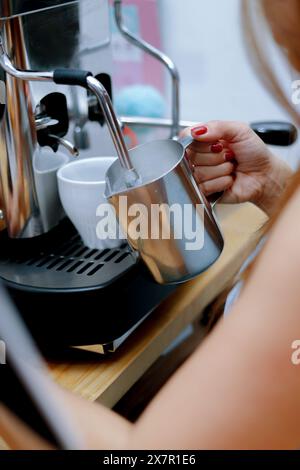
(205, 40)
(204, 37)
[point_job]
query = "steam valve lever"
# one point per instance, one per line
(66, 144)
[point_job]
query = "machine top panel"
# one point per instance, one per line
(11, 8)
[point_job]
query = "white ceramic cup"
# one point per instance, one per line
(46, 163)
(81, 186)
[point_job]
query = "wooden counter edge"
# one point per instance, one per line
(107, 380)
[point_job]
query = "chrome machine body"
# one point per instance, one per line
(46, 35)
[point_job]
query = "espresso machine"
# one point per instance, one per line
(68, 294)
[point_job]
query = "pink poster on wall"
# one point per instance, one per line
(131, 65)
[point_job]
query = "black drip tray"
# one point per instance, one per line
(69, 295)
(59, 261)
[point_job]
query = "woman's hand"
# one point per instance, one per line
(230, 157)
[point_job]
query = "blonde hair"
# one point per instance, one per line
(283, 19)
(256, 16)
(283, 23)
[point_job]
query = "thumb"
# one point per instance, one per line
(230, 131)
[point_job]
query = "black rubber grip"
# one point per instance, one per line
(71, 77)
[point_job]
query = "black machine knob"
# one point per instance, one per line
(282, 134)
(53, 107)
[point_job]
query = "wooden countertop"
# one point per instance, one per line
(108, 379)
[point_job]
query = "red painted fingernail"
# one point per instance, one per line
(229, 156)
(200, 130)
(217, 148)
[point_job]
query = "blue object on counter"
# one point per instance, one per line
(140, 100)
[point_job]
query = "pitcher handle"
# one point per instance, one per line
(214, 198)
(186, 141)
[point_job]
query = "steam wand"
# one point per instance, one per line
(131, 176)
(86, 80)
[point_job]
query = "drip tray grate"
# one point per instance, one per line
(60, 261)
